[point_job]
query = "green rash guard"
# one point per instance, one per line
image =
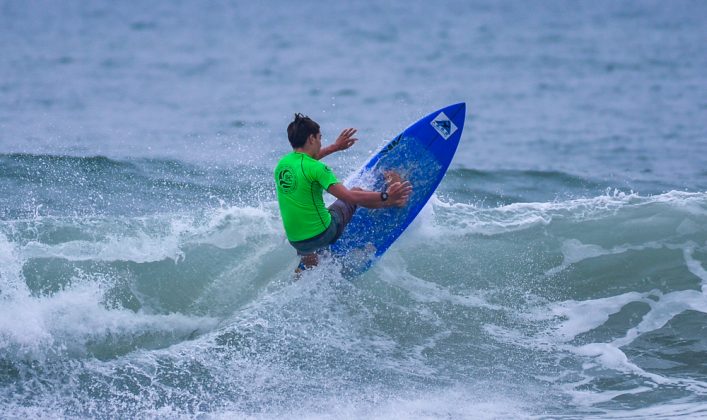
(300, 181)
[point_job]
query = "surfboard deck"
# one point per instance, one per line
(420, 154)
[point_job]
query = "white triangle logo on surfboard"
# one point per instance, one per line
(444, 126)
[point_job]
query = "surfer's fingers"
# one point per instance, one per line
(400, 193)
(347, 132)
(404, 186)
(345, 143)
(345, 139)
(401, 185)
(400, 189)
(403, 191)
(402, 201)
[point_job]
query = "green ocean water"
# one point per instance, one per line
(559, 271)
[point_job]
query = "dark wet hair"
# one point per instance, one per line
(299, 130)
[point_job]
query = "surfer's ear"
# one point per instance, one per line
(313, 137)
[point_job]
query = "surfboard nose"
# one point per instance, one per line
(454, 109)
(455, 112)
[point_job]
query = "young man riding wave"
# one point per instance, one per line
(301, 179)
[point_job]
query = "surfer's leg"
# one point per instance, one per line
(341, 213)
(306, 262)
(309, 249)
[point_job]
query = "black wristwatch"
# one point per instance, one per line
(384, 196)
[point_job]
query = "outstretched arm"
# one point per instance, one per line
(343, 142)
(398, 195)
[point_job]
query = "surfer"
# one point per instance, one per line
(301, 179)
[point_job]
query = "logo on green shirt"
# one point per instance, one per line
(287, 180)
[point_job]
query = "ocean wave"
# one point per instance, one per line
(590, 282)
(460, 219)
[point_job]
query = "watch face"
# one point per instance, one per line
(384, 196)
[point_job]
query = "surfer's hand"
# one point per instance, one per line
(391, 177)
(345, 139)
(399, 193)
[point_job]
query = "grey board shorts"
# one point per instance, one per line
(341, 214)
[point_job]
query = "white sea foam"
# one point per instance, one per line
(682, 408)
(395, 273)
(140, 247)
(242, 281)
(41, 326)
(160, 237)
(663, 310)
(694, 266)
(460, 219)
(231, 227)
(574, 251)
(582, 316)
(570, 319)
(578, 317)
(12, 283)
(457, 402)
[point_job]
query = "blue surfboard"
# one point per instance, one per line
(420, 154)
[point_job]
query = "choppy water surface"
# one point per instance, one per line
(559, 271)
